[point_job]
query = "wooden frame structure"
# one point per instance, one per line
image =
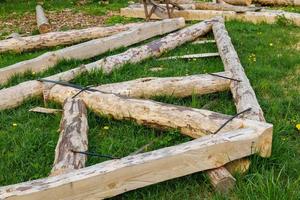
(238, 138)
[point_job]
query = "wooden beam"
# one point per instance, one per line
(223, 7)
(238, 2)
(191, 56)
(73, 137)
(170, 86)
(203, 41)
(41, 20)
(92, 48)
(45, 110)
(14, 96)
(114, 177)
(20, 44)
(264, 16)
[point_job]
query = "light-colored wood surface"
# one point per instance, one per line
(114, 177)
(73, 137)
(191, 56)
(41, 20)
(45, 110)
(20, 44)
(92, 48)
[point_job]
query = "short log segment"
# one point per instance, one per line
(263, 16)
(41, 20)
(73, 137)
(114, 177)
(92, 48)
(20, 44)
(14, 96)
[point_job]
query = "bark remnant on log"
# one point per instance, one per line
(92, 48)
(41, 20)
(73, 137)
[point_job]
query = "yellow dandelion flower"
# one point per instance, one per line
(271, 44)
(106, 127)
(33, 73)
(14, 124)
(298, 127)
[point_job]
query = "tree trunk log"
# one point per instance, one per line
(52, 39)
(114, 177)
(73, 137)
(92, 48)
(45, 110)
(224, 7)
(263, 16)
(41, 20)
(171, 86)
(278, 2)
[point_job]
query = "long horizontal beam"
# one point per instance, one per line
(114, 177)
(265, 16)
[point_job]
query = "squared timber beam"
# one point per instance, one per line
(114, 177)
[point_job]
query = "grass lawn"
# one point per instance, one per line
(270, 55)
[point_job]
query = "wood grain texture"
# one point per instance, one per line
(238, 2)
(45, 110)
(223, 7)
(20, 44)
(73, 137)
(114, 177)
(41, 20)
(92, 48)
(263, 16)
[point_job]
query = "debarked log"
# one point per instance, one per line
(73, 138)
(41, 20)
(114, 177)
(92, 48)
(20, 44)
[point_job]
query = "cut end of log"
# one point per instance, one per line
(221, 180)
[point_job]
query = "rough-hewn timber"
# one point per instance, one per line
(20, 44)
(73, 137)
(114, 177)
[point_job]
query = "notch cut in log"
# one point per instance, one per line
(73, 137)
(264, 16)
(20, 44)
(115, 177)
(191, 56)
(15, 95)
(45, 110)
(92, 48)
(41, 20)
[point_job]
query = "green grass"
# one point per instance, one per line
(268, 54)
